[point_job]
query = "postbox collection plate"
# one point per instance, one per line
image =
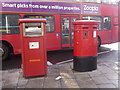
(34, 45)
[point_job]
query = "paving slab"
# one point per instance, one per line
(95, 73)
(101, 80)
(9, 86)
(82, 77)
(53, 70)
(22, 82)
(106, 86)
(112, 76)
(67, 74)
(0, 79)
(35, 83)
(112, 65)
(105, 69)
(64, 67)
(69, 83)
(50, 82)
(115, 82)
(87, 84)
(11, 79)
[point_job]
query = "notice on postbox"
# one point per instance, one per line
(33, 45)
(94, 34)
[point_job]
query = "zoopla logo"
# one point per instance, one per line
(90, 8)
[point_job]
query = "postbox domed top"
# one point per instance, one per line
(88, 22)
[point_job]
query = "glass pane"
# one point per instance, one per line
(78, 0)
(114, 2)
(69, 0)
(1, 20)
(65, 31)
(96, 18)
(93, 1)
(49, 18)
(107, 21)
(9, 24)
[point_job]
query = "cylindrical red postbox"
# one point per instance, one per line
(32, 32)
(85, 45)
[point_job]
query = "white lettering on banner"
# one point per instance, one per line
(91, 8)
(71, 8)
(25, 5)
(20, 5)
(9, 5)
(55, 7)
(43, 6)
(14, 5)
(33, 6)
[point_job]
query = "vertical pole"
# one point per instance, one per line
(6, 23)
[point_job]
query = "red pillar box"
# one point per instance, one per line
(33, 47)
(85, 45)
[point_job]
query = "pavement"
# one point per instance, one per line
(63, 76)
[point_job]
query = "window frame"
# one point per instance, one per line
(110, 23)
(43, 18)
(84, 1)
(90, 1)
(109, 3)
(101, 28)
(10, 26)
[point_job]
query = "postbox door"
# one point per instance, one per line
(67, 30)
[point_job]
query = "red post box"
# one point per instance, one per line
(85, 45)
(33, 47)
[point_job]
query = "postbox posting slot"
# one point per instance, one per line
(85, 27)
(94, 27)
(33, 29)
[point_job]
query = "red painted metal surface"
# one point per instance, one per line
(54, 42)
(14, 40)
(85, 38)
(119, 21)
(109, 36)
(33, 60)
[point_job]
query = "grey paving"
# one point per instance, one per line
(50, 82)
(104, 77)
(106, 86)
(35, 83)
(87, 84)
(69, 83)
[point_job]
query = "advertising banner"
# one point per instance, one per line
(50, 7)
